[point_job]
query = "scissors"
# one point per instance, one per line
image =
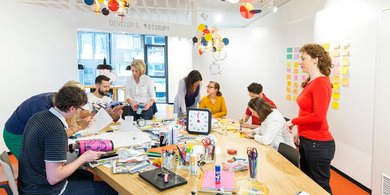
(207, 141)
(252, 152)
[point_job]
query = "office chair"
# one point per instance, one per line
(7, 167)
(289, 153)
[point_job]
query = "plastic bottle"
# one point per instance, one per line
(218, 165)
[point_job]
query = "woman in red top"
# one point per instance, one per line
(317, 146)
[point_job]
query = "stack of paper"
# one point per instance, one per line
(226, 184)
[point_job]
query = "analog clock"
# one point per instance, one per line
(198, 121)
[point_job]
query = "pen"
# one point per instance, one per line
(181, 155)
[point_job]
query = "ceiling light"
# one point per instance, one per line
(233, 1)
(275, 9)
(218, 18)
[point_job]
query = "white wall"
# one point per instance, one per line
(179, 63)
(39, 49)
(381, 144)
(257, 54)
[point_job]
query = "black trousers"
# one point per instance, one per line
(315, 160)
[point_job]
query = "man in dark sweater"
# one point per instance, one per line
(42, 168)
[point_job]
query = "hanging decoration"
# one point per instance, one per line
(120, 7)
(209, 39)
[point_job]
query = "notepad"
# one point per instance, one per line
(227, 181)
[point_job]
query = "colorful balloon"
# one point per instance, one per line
(245, 10)
(201, 27)
(89, 2)
(105, 11)
(208, 37)
(225, 41)
(100, 1)
(206, 31)
(194, 39)
(203, 41)
(113, 5)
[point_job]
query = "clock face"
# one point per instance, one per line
(199, 121)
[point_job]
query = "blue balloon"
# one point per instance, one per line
(225, 41)
(203, 41)
(89, 2)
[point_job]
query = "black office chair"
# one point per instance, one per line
(289, 153)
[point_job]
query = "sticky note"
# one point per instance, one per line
(289, 50)
(295, 91)
(288, 89)
(288, 77)
(345, 82)
(289, 64)
(295, 77)
(296, 56)
(295, 98)
(336, 86)
(295, 85)
(336, 79)
(326, 46)
(289, 83)
(336, 70)
(288, 97)
(336, 95)
(295, 70)
(346, 62)
(335, 105)
(344, 69)
(336, 61)
(289, 70)
(296, 64)
(296, 49)
(346, 52)
(289, 56)
(336, 53)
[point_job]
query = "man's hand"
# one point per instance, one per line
(296, 139)
(90, 155)
(83, 123)
(115, 113)
(290, 126)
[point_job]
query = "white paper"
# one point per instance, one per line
(101, 120)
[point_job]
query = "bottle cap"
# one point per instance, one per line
(217, 168)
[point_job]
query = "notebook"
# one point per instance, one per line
(208, 181)
(157, 180)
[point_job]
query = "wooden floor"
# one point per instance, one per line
(339, 184)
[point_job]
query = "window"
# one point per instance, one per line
(119, 51)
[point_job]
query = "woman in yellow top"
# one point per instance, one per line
(214, 100)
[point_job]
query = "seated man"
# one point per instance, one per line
(42, 168)
(99, 99)
(254, 90)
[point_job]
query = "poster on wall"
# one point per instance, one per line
(340, 54)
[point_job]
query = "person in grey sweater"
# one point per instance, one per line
(188, 93)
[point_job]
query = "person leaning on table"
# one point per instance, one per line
(317, 147)
(14, 127)
(214, 101)
(273, 129)
(188, 94)
(42, 162)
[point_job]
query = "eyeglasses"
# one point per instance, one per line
(208, 87)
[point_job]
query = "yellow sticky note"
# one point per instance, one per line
(336, 79)
(295, 70)
(288, 97)
(336, 86)
(288, 89)
(289, 83)
(289, 64)
(336, 53)
(326, 46)
(295, 98)
(344, 69)
(336, 95)
(295, 85)
(295, 91)
(346, 62)
(335, 105)
(296, 64)
(345, 82)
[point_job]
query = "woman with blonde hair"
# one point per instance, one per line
(214, 101)
(140, 93)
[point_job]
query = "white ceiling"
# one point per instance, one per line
(177, 11)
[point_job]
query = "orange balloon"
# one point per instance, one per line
(113, 5)
(245, 10)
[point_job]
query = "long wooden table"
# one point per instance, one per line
(281, 176)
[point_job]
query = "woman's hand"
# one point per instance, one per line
(147, 106)
(290, 126)
(296, 139)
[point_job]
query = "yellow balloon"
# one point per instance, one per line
(208, 37)
(100, 1)
(201, 27)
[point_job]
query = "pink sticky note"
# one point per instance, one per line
(295, 77)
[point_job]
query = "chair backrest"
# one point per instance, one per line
(290, 153)
(7, 167)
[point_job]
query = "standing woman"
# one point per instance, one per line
(140, 91)
(214, 100)
(317, 146)
(188, 93)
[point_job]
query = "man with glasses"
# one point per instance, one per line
(99, 99)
